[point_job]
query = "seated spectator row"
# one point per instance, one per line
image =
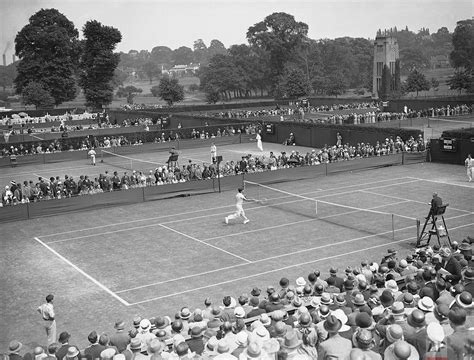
(57, 187)
(417, 306)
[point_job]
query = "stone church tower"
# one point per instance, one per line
(385, 53)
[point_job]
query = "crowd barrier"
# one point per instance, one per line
(140, 195)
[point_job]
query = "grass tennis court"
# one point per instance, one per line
(153, 258)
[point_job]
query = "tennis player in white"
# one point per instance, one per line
(92, 154)
(469, 163)
(240, 198)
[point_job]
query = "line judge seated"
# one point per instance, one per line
(173, 159)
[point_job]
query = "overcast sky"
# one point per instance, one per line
(145, 24)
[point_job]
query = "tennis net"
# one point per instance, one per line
(364, 220)
(127, 163)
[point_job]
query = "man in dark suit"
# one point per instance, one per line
(451, 265)
(436, 203)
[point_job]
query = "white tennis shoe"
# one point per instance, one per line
(226, 220)
(246, 221)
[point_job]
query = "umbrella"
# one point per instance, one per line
(23, 114)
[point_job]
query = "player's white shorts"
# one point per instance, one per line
(240, 210)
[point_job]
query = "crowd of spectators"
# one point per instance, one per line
(24, 119)
(133, 107)
(57, 187)
(371, 117)
(416, 306)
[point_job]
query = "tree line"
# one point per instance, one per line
(280, 60)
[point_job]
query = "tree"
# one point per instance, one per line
(462, 80)
(337, 84)
(161, 55)
(35, 94)
(48, 48)
(98, 63)
(296, 84)
(169, 90)
(434, 83)
(216, 47)
(280, 35)
(129, 92)
(413, 58)
(151, 70)
(416, 81)
(182, 56)
(119, 78)
(200, 52)
(463, 42)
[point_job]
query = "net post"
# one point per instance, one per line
(102, 156)
(418, 229)
(393, 228)
(316, 206)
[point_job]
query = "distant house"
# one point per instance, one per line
(439, 61)
(182, 70)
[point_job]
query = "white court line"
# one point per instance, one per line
(211, 209)
(415, 201)
(102, 286)
(443, 182)
(212, 215)
(269, 258)
(280, 269)
(204, 243)
(276, 256)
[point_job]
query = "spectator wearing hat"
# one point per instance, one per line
(456, 341)
(196, 343)
(292, 346)
(427, 305)
(332, 288)
(120, 338)
(451, 265)
(318, 280)
(335, 346)
(320, 317)
(338, 281)
(144, 334)
(468, 281)
(396, 316)
(253, 351)
(386, 300)
(436, 346)
(243, 301)
(104, 340)
(183, 352)
(94, 349)
(185, 315)
(307, 333)
(14, 348)
(365, 321)
(72, 353)
(366, 271)
(108, 354)
(401, 350)
(48, 316)
(210, 348)
(273, 303)
(417, 335)
(340, 302)
(64, 341)
(345, 331)
(363, 339)
(256, 310)
(223, 350)
(155, 348)
(241, 339)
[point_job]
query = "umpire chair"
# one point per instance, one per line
(431, 219)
